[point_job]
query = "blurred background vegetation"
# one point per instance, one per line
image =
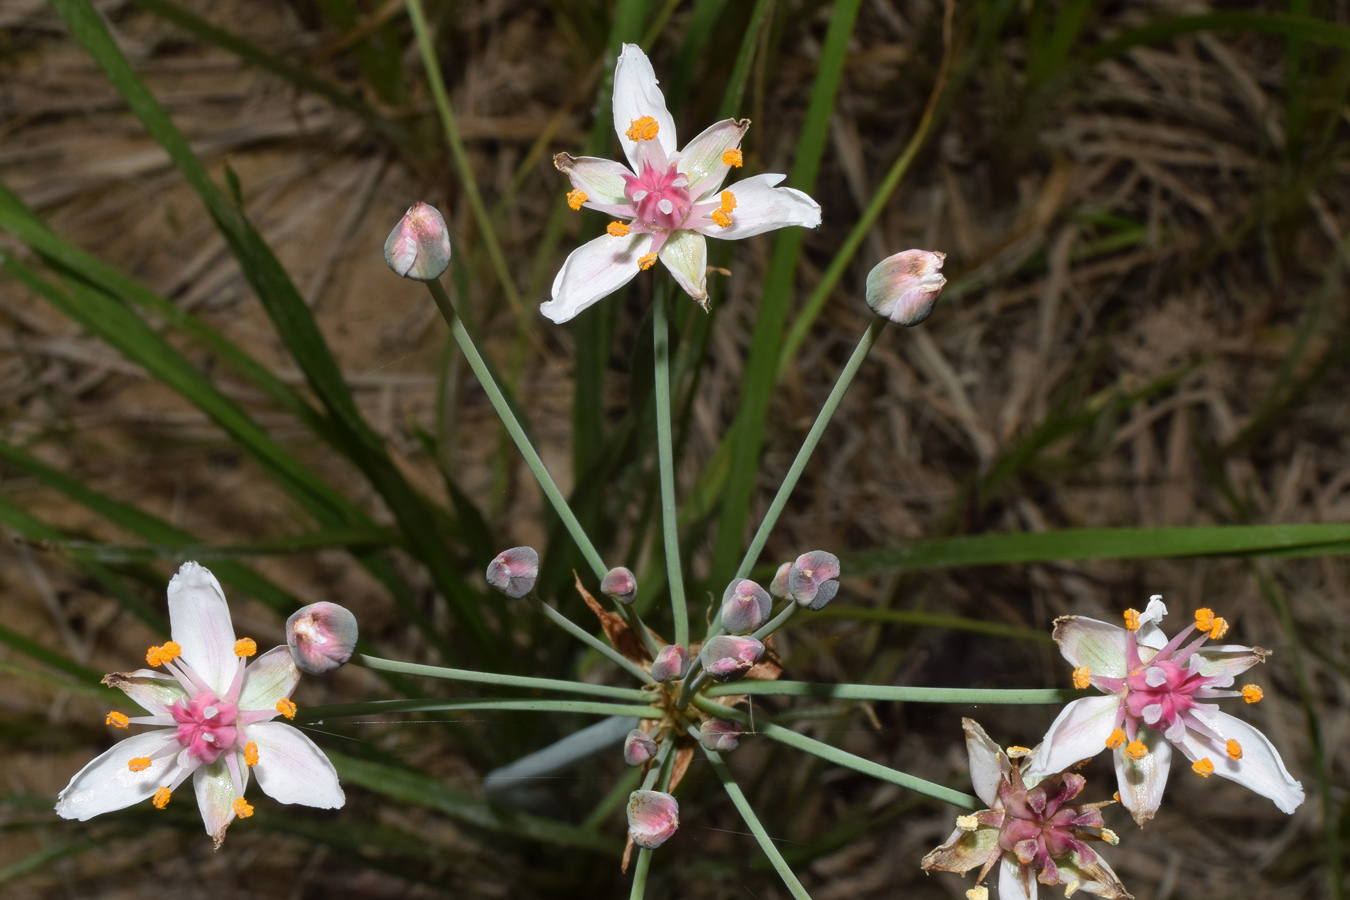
(203, 355)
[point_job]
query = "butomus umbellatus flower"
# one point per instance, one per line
(213, 720)
(1032, 829)
(665, 202)
(1156, 692)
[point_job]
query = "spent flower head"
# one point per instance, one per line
(1155, 699)
(665, 202)
(211, 719)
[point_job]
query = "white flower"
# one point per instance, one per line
(1154, 688)
(670, 205)
(214, 719)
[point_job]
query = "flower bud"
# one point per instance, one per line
(671, 662)
(321, 637)
(728, 658)
(812, 581)
(904, 287)
(638, 747)
(779, 586)
(419, 245)
(722, 735)
(653, 817)
(619, 584)
(745, 607)
(513, 571)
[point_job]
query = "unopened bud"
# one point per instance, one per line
(653, 817)
(513, 571)
(671, 662)
(722, 735)
(745, 607)
(812, 581)
(419, 245)
(321, 637)
(779, 586)
(727, 657)
(638, 747)
(904, 287)
(619, 584)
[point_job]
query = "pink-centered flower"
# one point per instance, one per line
(665, 202)
(1156, 698)
(1032, 829)
(213, 720)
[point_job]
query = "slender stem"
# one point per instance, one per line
(777, 621)
(379, 707)
(467, 182)
(515, 681)
(666, 457)
(663, 769)
(644, 864)
(513, 426)
(898, 693)
(843, 757)
(639, 628)
(595, 643)
(765, 842)
(809, 445)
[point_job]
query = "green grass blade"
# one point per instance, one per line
(895, 693)
(928, 620)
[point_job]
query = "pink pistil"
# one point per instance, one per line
(206, 726)
(660, 199)
(1162, 692)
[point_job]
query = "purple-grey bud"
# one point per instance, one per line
(619, 584)
(419, 246)
(321, 637)
(904, 287)
(671, 662)
(722, 735)
(638, 747)
(653, 817)
(779, 586)
(745, 606)
(727, 657)
(813, 579)
(513, 571)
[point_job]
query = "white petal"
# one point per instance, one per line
(1089, 642)
(200, 620)
(593, 271)
(1078, 733)
(987, 762)
(601, 180)
(761, 207)
(1010, 886)
(636, 94)
(291, 769)
(1228, 660)
(701, 158)
(685, 254)
(1149, 633)
(271, 677)
(1260, 769)
(150, 690)
(215, 797)
(1141, 782)
(107, 784)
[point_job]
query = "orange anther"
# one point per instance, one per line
(732, 157)
(245, 647)
(720, 217)
(161, 798)
(1115, 739)
(728, 201)
(1132, 619)
(154, 656)
(642, 129)
(286, 708)
(139, 764)
(1204, 618)
(1252, 693)
(1203, 767)
(242, 808)
(250, 754)
(117, 720)
(1234, 749)
(647, 261)
(1082, 677)
(169, 652)
(1136, 750)
(576, 198)
(1219, 630)
(617, 229)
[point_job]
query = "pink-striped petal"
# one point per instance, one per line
(107, 784)
(291, 769)
(762, 206)
(636, 94)
(200, 623)
(1260, 768)
(988, 765)
(1097, 645)
(701, 158)
(1079, 732)
(593, 271)
(1141, 781)
(150, 690)
(268, 679)
(685, 254)
(601, 180)
(215, 797)
(1010, 883)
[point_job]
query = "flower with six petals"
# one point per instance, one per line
(213, 721)
(666, 202)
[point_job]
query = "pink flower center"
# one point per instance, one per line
(1040, 824)
(1162, 692)
(206, 725)
(661, 199)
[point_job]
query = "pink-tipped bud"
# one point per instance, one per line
(904, 287)
(722, 735)
(653, 817)
(513, 571)
(620, 585)
(745, 606)
(419, 245)
(779, 586)
(727, 657)
(813, 579)
(671, 662)
(321, 636)
(638, 747)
